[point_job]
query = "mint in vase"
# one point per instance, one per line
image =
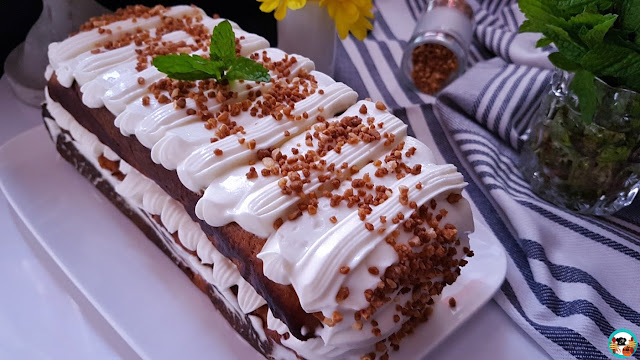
(583, 152)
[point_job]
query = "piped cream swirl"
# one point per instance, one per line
(308, 252)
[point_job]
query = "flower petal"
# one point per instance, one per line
(296, 4)
(268, 5)
(350, 16)
(281, 12)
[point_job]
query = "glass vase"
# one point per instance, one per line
(25, 65)
(588, 167)
(310, 32)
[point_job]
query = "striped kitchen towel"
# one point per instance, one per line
(571, 280)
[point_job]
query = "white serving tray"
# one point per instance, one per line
(143, 295)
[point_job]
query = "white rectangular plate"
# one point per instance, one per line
(147, 299)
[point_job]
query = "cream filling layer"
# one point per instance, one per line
(146, 195)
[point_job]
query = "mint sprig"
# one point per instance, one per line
(594, 38)
(222, 65)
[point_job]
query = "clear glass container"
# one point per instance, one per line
(591, 168)
(438, 49)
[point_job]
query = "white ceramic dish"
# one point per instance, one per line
(147, 299)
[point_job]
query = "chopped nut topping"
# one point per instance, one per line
(380, 105)
(342, 294)
(453, 198)
(432, 66)
(252, 174)
(294, 215)
(452, 302)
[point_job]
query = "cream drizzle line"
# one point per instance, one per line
(153, 127)
(116, 84)
(197, 170)
(256, 203)
(65, 55)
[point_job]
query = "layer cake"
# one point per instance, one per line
(317, 227)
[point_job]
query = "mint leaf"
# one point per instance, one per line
(612, 60)
(543, 42)
(247, 69)
(599, 36)
(600, 25)
(539, 14)
(532, 26)
(583, 86)
(223, 42)
(223, 58)
(187, 67)
(589, 19)
(596, 35)
(630, 14)
(561, 62)
(565, 44)
(578, 6)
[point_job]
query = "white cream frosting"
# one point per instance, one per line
(256, 203)
(307, 252)
(65, 56)
(147, 195)
(87, 141)
(198, 169)
(152, 128)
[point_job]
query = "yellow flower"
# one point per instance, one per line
(350, 16)
(280, 6)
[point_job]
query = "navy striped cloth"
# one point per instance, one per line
(571, 280)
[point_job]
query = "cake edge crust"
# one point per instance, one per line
(242, 325)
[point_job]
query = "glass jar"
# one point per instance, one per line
(588, 167)
(437, 52)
